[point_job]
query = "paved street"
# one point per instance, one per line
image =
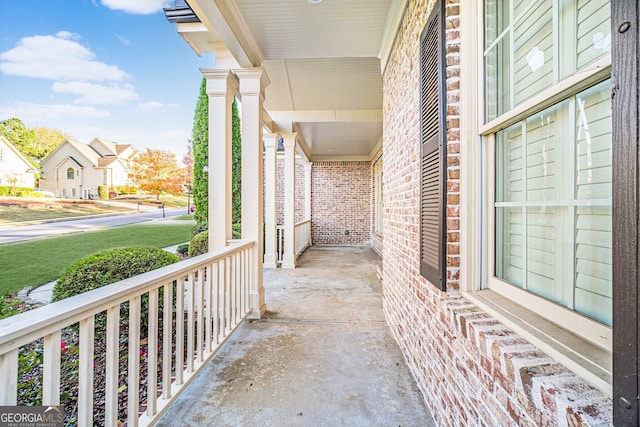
(10, 234)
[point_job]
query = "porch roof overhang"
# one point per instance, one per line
(324, 60)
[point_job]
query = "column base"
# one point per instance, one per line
(269, 261)
(289, 261)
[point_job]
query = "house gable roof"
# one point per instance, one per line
(30, 167)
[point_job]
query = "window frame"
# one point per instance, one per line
(70, 174)
(589, 76)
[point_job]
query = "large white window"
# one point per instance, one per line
(548, 133)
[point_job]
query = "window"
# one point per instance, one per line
(64, 192)
(377, 184)
(432, 150)
(70, 173)
(73, 192)
(548, 109)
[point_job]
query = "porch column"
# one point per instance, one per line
(307, 196)
(252, 84)
(270, 168)
(221, 85)
(289, 255)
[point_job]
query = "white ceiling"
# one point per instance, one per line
(323, 61)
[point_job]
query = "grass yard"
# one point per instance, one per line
(35, 262)
(18, 210)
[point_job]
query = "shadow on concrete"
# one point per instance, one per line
(322, 356)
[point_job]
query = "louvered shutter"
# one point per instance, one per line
(432, 150)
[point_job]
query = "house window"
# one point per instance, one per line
(73, 192)
(548, 115)
(432, 150)
(70, 173)
(64, 192)
(377, 184)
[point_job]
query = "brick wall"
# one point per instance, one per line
(280, 190)
(340, 203)
(471, 369)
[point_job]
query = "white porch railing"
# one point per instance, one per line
(303, 236)
(279, 243)
(212, 300)
(302, 232)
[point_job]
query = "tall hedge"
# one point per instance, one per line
(200, 141)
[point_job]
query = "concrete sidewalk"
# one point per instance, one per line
(323, 355)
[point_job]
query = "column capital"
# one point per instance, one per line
(220, 82)
(307, 166)
(270, 140)
(253, 81)
(289, 139)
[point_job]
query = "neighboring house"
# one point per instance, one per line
(75, 170)
(510, 276)
(15, 169)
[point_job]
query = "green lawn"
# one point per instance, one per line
(35, 262)
(16, 210)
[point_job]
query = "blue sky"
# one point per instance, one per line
(114, 69)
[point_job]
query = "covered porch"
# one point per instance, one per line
(322, 355)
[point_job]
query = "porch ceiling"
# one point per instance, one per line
(323, 60)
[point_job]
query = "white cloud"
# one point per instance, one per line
(95, 94)
(57, 58)
(124, 41)
(43, 114)
(138, 7)
(154, 107)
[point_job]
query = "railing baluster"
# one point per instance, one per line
(227, 296)
(152, 353)
(215, 296)
(179, 331)
(51, 371)
(200, 323)
(133, 388)
(9, 383)
(111, 369)
(223, 297)
(190, 321)
(167, 339)
(243, 278)
(85, 374)
(234, 278)
(208, 309)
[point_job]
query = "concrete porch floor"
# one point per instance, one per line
(322, 356)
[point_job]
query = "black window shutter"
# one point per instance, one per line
(432, 150)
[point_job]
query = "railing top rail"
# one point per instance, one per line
(23, 328)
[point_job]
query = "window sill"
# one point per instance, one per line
(587, 360)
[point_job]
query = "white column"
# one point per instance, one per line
(252, 84)
(270, 168)
(289, 255)
(221, 85)
(307, 196)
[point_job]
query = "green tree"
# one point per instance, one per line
(200, 143)
(46, 141)
(34, 143)
(236, 168)
(20, 136)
